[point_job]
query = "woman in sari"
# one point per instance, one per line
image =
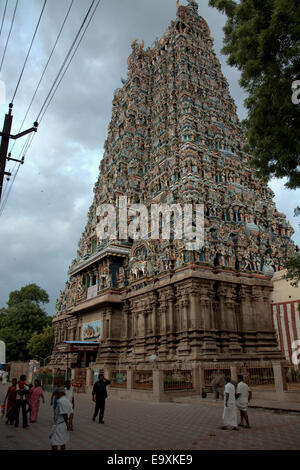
(36, 393)
(11, 402)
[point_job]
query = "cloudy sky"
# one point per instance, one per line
(45, 213)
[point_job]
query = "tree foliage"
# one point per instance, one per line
(262, 41)
(23, 317)
(41, 344)
(293, 270)
(31, 292)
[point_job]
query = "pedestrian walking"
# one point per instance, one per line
(243, 396)
(59, 435)
(70, 396)
(35, 395)
(218, 384)
(10, 400)
(4, 377)
(53, 400)
(22, 401)
(230, 412)
(99, 396)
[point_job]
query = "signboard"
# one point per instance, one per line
(67, 347)
(119, 378)
(92, 292)
(96, 375)
(2, 353)
(91, 331)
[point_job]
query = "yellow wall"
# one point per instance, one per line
(283, 291)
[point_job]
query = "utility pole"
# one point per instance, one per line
(6, 136)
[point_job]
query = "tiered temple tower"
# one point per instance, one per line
(175, 137)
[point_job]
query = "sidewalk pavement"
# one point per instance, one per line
(140, 425)
(268, 405)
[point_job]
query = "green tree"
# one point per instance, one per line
(41, 344)
(293, 264)
(31, 292)
(23, 317)
(262, 41)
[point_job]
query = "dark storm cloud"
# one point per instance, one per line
(46, 211)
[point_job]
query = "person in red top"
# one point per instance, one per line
(21, 401)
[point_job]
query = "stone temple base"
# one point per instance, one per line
(193, 316)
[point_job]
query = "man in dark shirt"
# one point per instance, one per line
(99, 397)
(22, 401)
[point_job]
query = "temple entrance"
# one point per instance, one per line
(84, 359)
(86, 352)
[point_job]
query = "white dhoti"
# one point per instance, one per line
(242, 405)
(230, 415)
(59, 435)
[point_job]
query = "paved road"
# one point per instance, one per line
(136, 425)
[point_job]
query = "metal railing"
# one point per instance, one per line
(292, 378)
(210, 372)
(142, 379)
(175, 380)
(258, 376)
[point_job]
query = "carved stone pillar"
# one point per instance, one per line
(230, 303)
(126, 309)
(170, 298)
(162, 310)
(195, 322)
(221, 311)
(206, 306)
(184, 347)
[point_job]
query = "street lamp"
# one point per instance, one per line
(43, 359)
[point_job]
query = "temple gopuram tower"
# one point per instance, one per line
(175, 138)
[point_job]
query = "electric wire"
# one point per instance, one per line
(64, 73)
(65, 60)
(3, 17)
(45, 69)
(28, 53)
(5, 198)
(8, 37)
(54, 87)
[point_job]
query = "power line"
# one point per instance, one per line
(55, 86)
(58, 84)
(65, 60)
(45, 68)
(8, 192)
(69, 61)
(11, 26)
(3, 16)
(33, 97)
(28, 53)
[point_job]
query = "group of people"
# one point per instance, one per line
(21, 396)
(236, 398)
(26, 397)
(63, 402)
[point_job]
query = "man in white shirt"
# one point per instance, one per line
(243, 396)
(59, 435)
(70, 396)
(229, 413)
